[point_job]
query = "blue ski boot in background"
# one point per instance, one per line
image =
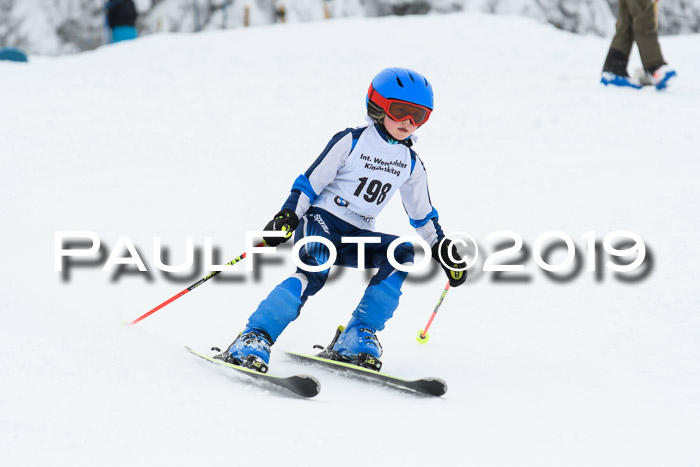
(661, 75)
(251, 349)
(619, 80)
(615, 70)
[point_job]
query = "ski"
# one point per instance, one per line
(301, 385)
(427, 386)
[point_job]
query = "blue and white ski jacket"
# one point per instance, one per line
(357, 174)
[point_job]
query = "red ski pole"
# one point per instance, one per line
(423, 336)
(188, 289)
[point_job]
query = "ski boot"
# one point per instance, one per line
(251, 349)
(357, 344)
(608, 77)
(661, 76)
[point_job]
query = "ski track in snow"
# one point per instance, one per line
(203, 135)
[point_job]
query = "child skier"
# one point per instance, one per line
(340, 195)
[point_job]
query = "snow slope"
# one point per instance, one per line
(202, 135)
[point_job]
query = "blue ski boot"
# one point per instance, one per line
(357, 344)
(619, 80)
(661, 76)
(251, 349)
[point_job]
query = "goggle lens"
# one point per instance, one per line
(401, 111)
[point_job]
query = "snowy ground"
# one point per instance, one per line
(202, 135)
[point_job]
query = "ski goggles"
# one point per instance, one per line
(400, 110)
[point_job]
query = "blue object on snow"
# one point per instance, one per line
(123, 33)
(12, 54)
(617, 80)
(662, 83)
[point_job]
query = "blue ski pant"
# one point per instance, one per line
(381, 298)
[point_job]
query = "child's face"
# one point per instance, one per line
(399, 130)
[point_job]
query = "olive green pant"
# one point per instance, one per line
(637, 22)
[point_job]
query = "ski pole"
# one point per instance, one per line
(423, 336)
(188, 289)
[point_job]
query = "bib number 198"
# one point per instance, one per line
(376, 191)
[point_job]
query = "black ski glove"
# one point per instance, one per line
(287, 221)
(440, 254)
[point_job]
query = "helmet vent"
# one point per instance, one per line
(399, 81)
(411, 76)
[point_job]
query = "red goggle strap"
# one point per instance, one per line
(377, 98)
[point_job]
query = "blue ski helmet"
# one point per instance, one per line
(400, 84)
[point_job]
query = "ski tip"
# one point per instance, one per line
(308, 390)
(434, 386)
